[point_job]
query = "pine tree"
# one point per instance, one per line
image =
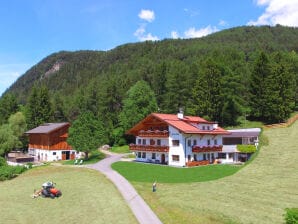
(39, 107)
(259, 87)
(207, 92)
(285, 89)
(8, 106)
(231, 112)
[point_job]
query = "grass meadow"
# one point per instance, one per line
(87, 197)
(257, 193)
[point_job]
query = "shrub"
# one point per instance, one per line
(9, 172)
(2, 161)
(291, 216)
(246, 148)
(121, 142)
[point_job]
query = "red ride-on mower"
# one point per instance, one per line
(49, 190)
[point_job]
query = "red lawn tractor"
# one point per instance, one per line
(49, 190)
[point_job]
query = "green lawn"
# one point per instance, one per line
(141, 172)
(87, 197)
(120, 149)
(94, 157)
(257, 193)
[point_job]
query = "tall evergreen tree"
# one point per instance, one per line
(260, 86)
(207, 91)
(284, 88)
(39, 107)
(8, 106)
(230, 112)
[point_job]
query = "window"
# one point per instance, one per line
(188, 142)
(153, 156)
(204, 156)
(152, 142)
(195, 157)
(208, 142)
(203, 127)
(175, 158)
(144, 141)
(54, 153)
(139, 154)
(139, 141)
(158, 142)
(215, 141)
(175, 142)
(143, 155)
(208, 128)
(195, 142)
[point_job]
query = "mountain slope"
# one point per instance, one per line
(78, 68)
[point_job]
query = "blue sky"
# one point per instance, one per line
(33, 29)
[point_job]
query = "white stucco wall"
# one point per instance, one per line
(48, 155)
(176, 150)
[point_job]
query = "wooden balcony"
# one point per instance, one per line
(214, 148)
(155, 133)
(149, 148)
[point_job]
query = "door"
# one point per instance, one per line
(163, 158)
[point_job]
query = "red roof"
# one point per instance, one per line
(185, 125)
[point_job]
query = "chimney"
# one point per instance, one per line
(180, 113)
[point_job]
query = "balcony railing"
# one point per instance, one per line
(155, 133)
(214, 148)
(149, 148)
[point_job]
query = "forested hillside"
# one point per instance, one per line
(244, 70)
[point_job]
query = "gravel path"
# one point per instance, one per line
(141, 210)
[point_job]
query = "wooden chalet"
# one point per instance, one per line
(47, 142)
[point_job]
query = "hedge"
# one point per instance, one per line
(246, 148)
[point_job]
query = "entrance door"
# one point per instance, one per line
(163, 158)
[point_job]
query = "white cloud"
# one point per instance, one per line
(174, 35)
(147, 15)
(284, 12)
(191, 12)
(141, 34)
(222, 23)
(193, 33)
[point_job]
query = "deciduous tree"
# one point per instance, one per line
(86, 133)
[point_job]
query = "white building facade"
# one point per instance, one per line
(177, 140)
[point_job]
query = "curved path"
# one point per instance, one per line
(140, 209)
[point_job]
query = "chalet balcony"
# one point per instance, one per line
(155, 133)
(149, 148)
(214, 148)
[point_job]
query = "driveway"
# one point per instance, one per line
(139, 207)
